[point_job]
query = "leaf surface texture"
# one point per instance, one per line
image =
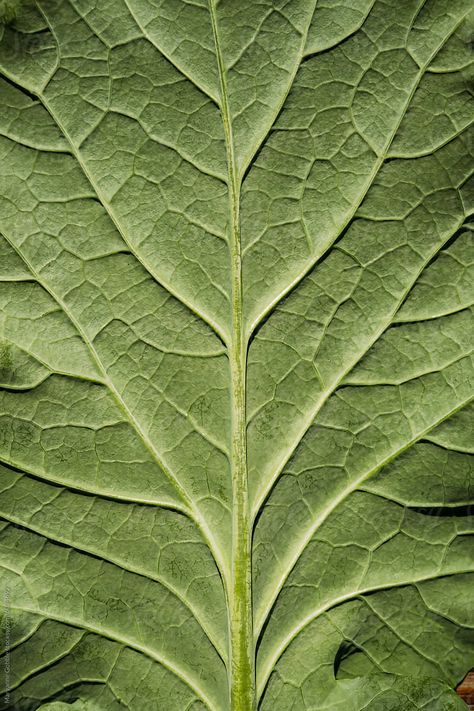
(236, 338)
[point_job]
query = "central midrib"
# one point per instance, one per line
(242, 664)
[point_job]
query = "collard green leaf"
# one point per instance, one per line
(236, 338)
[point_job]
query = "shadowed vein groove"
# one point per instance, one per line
(28, 635)
(101, 494)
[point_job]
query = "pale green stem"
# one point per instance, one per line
(242, 669)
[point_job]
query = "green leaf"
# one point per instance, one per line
(236, 340)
